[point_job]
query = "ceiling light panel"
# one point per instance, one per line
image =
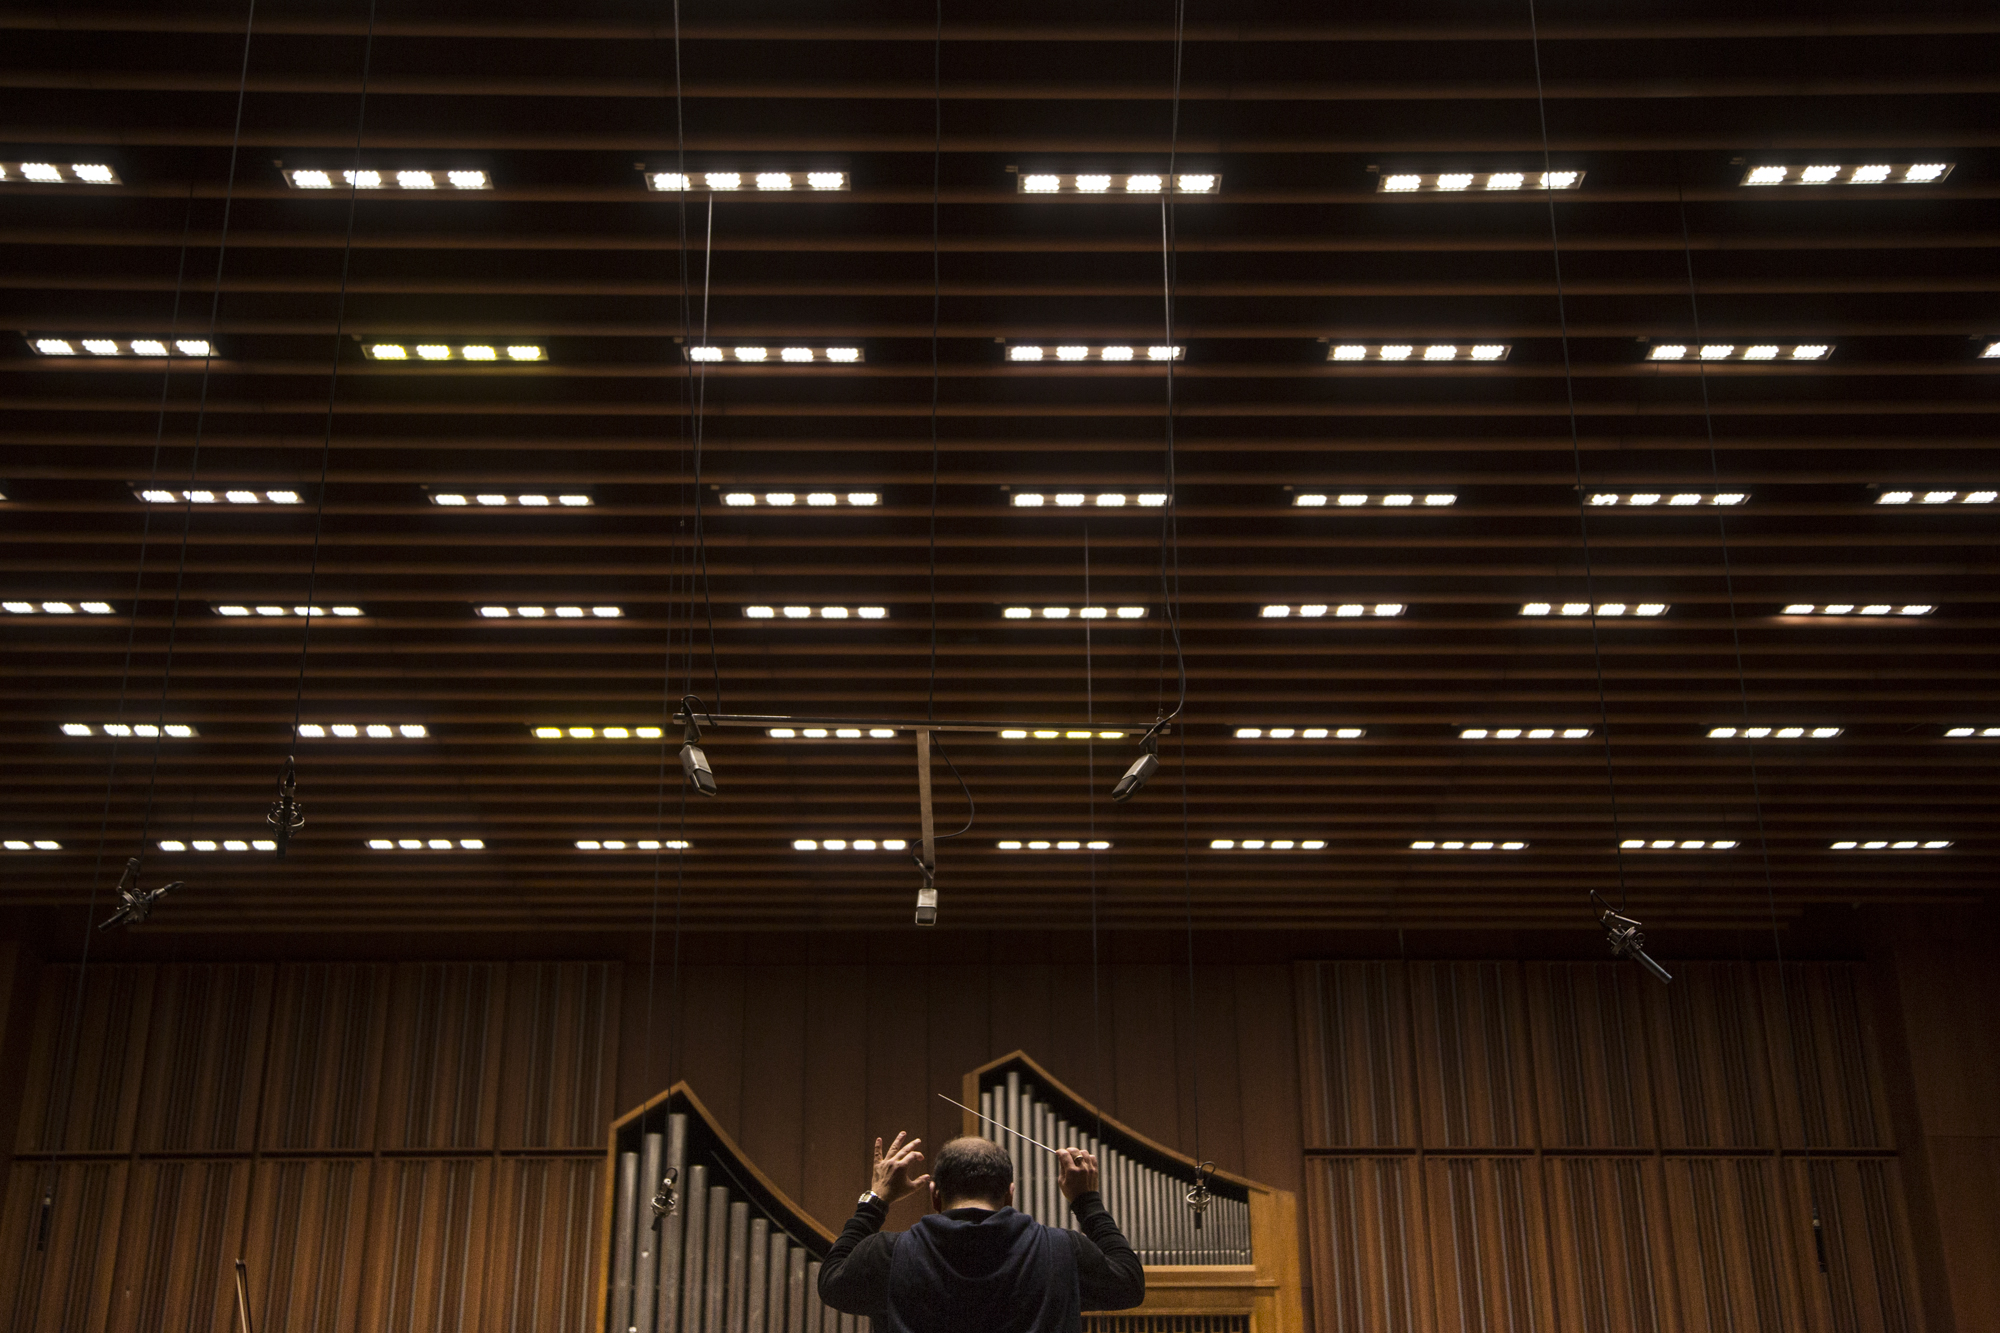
(1060, 734)
(1267, 844)
(1333, 611)
(831, 733)
(14, 608)
(58, 173)
(821, 613)
(1047, 845)
(1300, 733)
(1384, 500)
(544, 732)
(386, 178)
(92, 345)
(1854, 609)
(850, 845)
(1430, 354)
(1578, 610)
(1980, 733)
(1049, 613)
(430, 353)
(241, 497)
(802, 499)
(1064, 354)
(1459, 845)
(491, 499)
(1058, 501)
(636, 845)
(1774, 733)
(177, 731)
(1679, 844)
(1667, 499)
(31, 845)
(1891, 845)
(1864, 173)
(550, 612)
(371, 731)
(1115, 182)
(1936, 497)
(1475, 182)
(746, 182)
(1524, 733)
(1739, 351)
(776, 354)
(269, 611)
(218, 845)
(426, 845)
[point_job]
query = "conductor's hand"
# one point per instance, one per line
(893, 1176)
(1079, 1172)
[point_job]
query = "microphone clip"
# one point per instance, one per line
(287, 815)
(668, 1201)
(134, 903)
(1198, 1198)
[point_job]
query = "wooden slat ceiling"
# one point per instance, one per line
(1663, 111)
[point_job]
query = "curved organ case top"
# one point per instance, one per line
(1239, 1271)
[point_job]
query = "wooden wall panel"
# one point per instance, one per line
(1827, 1091)
(1869, 1285)
(179, 1235)
(1593, 1081)
(205, 1046)
(427, 1246)
(1735, 1271)
(1470, 1039)
(1355, 1055)
(86, 1061)
(1371, 1269)
(61, 1280)
(542, 1261)
(1710, 1058)
(441, 1068)
(1610, 1251)
(328, 1027)
(305, 1242)
(560, 1034)
(1488, 1254)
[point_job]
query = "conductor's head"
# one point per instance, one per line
(971, 1173)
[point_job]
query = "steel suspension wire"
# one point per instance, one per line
(1090, 847)
(1576, 455)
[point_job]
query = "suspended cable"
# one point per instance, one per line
(1090, 845)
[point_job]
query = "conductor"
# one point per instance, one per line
(973, 1264)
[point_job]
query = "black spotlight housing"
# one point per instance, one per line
(693, 762)
(1147, 764)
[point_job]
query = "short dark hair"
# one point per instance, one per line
(972, 1170)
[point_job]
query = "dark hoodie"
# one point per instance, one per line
(974, 1270)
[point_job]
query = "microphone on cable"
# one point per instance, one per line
(1147, 764)
(287, 816)
(1198, 1198)
(134, 904)
(693, 762)
(1626, 939)
(668, 1201)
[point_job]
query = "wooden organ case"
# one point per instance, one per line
(1237, 1273)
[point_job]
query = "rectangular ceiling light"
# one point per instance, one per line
(1300, 733)
(1456, 845)
(567, 613)
(1774, 733)
(1983, 733)
(1721, 351)
(1464, 182)
(93, 346)
(748, 182)
(31, 845)
(374, 731)
(760, 354)
(178, 731)
(1073, 613)
(548, 733)
(641, 845)
(1266, 845)
(1871, 173)
(1885, 845)
(58, 173)
(240, 611)
(849, 845)
(1856, 609)
(311, 178)
(218, 845)
(1088, 499)
(831, 733)
(1679, 844)
(512, 499)
(1340, 611)
(816, 612)
(1045, 845)
(1359, 500)
(165, 495)
(1603, 608)
(1666, 499)
(1432, 354)
(1114, 183)
(56, 608)
(1525, 733)
(1936, 497)
(1061, 734)
(798, 499)
(426, 845)
(1077, 353)
(477, 353)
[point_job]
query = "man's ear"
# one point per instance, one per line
(1010, 1196)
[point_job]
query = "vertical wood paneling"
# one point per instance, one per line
(1371, 1274)
(67, 1284)
(835, 1107)
(86, 1064)
(179, 1236)
(1147, 1050)
(774, 1081)
(542, 1257)
(1471, 1042)
(328, 1027)
(899, 1095)
(1711, 1059)
(1609, 1246)
(1593, 1081)
(556, 1055)
(1869, 1285)
(428, 1233)
(305, 1243)
(1828, 1096)
(1488, 1258)
(1355, 1051)
(1267, 1060)
(441, 1068)
(1731, 1243)
(205, 1051)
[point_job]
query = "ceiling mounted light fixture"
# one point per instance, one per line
(1857, 609)
(1774, 733)
(1982, 733)
(1059, 501)
(1073, 613)
(1868, 173)
(385, 178)
(1666, 499)
(1300, 733)
(490, 499)
(831, 733)
(574, 733)
(1333, 611)
(1267, 844)
(58, 173)
(1679, 844)
(252, 611)
(802, 499)
(92, 345)
(374, 731)
(1115, 183)
(178, 731)
(426, 845)
(775, 354)
(1525, 733)
(1888, 845)
(1067, 354)
(31, 845)
(1923, 497)
(1060, 734)
(1385, 500)
(218, 844)
(1053, 845)
(13, 608)
(1607, 609)
(1470, 182)
(850, 845)
(1461, 845)
(820, 613)
(162, 495)
(1430, 354)
(435, 352)
(745, 182)
(570, 614)
(637, 845)
(1739, 351)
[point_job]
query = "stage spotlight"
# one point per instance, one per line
(1626, 941)
(693, 762)
(1147, 764)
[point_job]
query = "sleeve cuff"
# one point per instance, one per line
(875, 1214)
(1087, 1203)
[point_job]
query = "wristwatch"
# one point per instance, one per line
(868, 1197)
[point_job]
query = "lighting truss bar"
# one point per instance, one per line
(1077, 353)
(31, 845)
(830, 733)
(1739, 351)
(1074, 613)
(1464, 182)
(1884, 845)
(1087, 500)
(310, 178)
(218, 845)
(1856, 609)
(374, 731)
(1435, 354)
(640, 845)
(1666, 499)
(1456, 845)
(514, 500)
(1936, 497)
(796, 499)
(56, 608)
(850, 845)
(757, 354)
(1266, 845)
(815, 613)
(546, 733)
(1340, 611)
(752, 182)
(235, 611)
(1875, 173)
(1525, 733)
(1114, 183)
(1774, 733)
(1300, 733)
(179, 731)
(58, 173)
(70, 345)
(162, 495)
(1982, 733)
(1609, 609)
(1044, 845)
(426, 845)
(1062, 734)
(768, 720)
(1358, 500)
(1679, 845)
(440, 351)
(550, 612)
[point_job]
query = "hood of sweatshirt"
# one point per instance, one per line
(1000, 1270)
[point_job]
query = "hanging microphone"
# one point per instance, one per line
(287, 816)
(694, 764)
(668, 1201)
(1198, 1198)
(1147, 764)
(134, 904)
(1626, 940)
